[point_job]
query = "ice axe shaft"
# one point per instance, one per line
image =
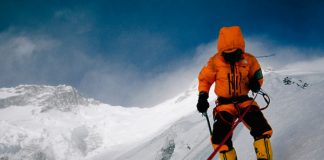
(208, 122)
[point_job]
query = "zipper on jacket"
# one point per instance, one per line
(229, 84)
(233, 79)
(236, 79)
(241, 83)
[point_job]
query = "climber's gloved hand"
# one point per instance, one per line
(202, 104)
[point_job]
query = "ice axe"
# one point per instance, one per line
(208, 122)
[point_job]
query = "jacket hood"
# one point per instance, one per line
(230, 39)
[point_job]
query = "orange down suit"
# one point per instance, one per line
(232, 80)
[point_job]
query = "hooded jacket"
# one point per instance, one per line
(231, 80)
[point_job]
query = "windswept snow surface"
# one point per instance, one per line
(57, 123)
(295, 114)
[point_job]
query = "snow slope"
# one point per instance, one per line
(57, 123)
(296, 115)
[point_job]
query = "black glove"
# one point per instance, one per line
(254, 85)
(202, 104)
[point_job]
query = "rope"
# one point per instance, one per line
(236, 122)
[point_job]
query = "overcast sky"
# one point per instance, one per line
(139, 53)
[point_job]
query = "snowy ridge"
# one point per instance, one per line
(37, 122)
(62, 97)
(55, 122)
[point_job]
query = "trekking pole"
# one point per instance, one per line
(208, 122)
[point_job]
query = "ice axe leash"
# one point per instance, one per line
(265, 97)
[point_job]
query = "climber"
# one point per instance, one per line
(234, 72)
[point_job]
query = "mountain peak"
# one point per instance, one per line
(61, 97)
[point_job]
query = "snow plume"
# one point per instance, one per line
(20, 53)
(178, 77)
(128, 77)
(22, 46)
(283, 55)
(314, 65)
(33, 58)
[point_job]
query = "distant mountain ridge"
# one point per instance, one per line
(61, 97)
(40, 122)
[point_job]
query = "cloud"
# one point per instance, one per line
(20, 54)
(23, 45)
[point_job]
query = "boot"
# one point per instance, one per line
(228, 155)
(263, 148)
